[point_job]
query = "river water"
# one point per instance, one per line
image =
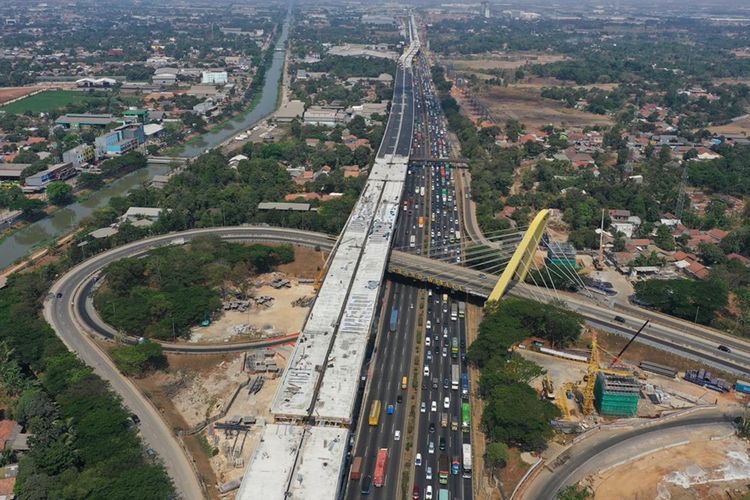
(265, 106)
(40, 233)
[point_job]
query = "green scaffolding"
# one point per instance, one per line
(616, 396)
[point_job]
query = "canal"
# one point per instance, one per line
(42, 232)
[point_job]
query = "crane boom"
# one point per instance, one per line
(625, 347)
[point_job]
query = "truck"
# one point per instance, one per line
(356, 472)
(454, 347)
(443, 468)
(394, 320)
(443, 494)
(455, 465)
(454, 311)
(467, 459)
(455, 374)
(444, 419)
(461, 305)
(465, 385)
(381, 462)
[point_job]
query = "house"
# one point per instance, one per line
(328, 116)
(11, 437)
(164, 79)
(152, 131)
(351, 171)
(40, 180)
(134, 214)
(205, 107)
(77, 120)
(290, 110)
(235, 160)
(136, 115)
(96, 82)
(214, 77)
(80, 155)
(12, 171)
(293, 207)
(740, 258)
(121, 140)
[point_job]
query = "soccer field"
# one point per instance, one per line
(46, 101)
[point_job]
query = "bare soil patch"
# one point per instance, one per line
(702, 469)
(509, 60)
(739, 127)
(307, 263)
(525, 104)
(10, 93)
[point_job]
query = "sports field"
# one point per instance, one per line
(45, 102)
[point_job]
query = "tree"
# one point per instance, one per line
(87, 180)
(138, 359)
(59, 193)
(664, 238)
(574, 492)
(496, 455)
(711, 254)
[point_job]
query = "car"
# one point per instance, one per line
(366, 483)
(619, 319)
(724, 348)
(151, 452)
(424, 385)
(59, 295)
(426, 371)
(418, 460)
(432, 427)
(446, 402)
(446, 383)
(399, 399)
(397, 436)
(427, 341)
(135, 418)
(433, 406)
(429, 355)
(429, 324)
(416, 494)
(428, 473)
(445, 352)
(431, 448)
(390, 409)
(445, 332)
(442, 444)
(428, 492)
(423, 407)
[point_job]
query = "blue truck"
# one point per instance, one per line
(394, 320)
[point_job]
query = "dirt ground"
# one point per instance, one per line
(235, 450)
(307, 263)
(10, 93)
(279, 318)
(525, 104)
(702, 469)
(510, 60)
(738, 127)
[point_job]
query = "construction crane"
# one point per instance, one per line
(595, 367)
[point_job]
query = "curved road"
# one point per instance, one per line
(62, 314)
(547, 484)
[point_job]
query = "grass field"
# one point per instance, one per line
(46, 101)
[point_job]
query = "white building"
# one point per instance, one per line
(215, 77)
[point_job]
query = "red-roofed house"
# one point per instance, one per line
(697, 269)
(735, 256)
(717, 234)
(9, 431)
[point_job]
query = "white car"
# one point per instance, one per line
(431, 448)
(427, 341)
(397, 436)
(446, 402)
(426, 371)
(418, 461)
(428, 473)
(423, 408)
(428, 492)
(429, 324)
(433, 406)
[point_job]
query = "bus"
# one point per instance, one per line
(378, 479)
(356, 472)
(394, 320)
(375, 413)
(454, 311)
(454, 348)
(466, 417)
(444, 494)
(467, 460)
(455, 371)
(412, 241)
(465, 385)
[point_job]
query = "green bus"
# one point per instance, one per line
(466, 420)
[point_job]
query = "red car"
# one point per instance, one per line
(415, 493)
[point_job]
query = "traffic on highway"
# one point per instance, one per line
(428, 224)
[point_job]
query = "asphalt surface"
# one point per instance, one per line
(547, 485)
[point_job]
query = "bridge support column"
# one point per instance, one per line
(522, 258)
